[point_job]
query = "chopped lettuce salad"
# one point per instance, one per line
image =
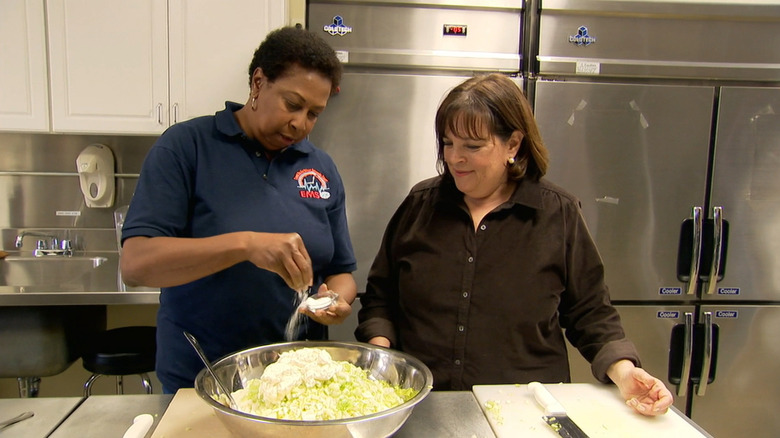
(307, 384)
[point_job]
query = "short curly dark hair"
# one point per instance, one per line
(288, 46)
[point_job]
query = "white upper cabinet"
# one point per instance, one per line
(23, 85)
(136, 67)
(211, 46)
(109, 65)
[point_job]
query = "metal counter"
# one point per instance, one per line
(447, 414)
(441, 414)
(22, 298)
(111, 415)
(48, 413)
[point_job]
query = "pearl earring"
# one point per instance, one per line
(511, 160)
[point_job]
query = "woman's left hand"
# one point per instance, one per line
(335, 314)
(643, 392)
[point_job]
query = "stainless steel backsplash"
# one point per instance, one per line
(40, 187)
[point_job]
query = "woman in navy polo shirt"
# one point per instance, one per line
(234, 213)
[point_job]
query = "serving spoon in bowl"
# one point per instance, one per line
(204, 359)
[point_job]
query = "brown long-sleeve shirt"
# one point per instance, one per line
(487, 307)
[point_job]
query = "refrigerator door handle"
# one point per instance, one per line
(682, 387)
(707, 359)
(717, 249)
(695, 251)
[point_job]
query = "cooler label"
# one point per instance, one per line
(726, 314)
(670, 291)
(728, 291)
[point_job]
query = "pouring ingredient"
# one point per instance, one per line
(307, 384)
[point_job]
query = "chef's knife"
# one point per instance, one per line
(555, 414)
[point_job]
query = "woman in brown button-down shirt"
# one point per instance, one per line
(481, 267)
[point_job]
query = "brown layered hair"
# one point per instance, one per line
(492, 103)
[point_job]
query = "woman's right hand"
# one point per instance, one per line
(171, 261)
(284, 254)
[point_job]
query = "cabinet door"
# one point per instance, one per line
(211, 47)
(109, 65)
(743, 398)
(636, 156)
(745, 183)
(24, 96)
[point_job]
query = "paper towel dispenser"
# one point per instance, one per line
(95, 166)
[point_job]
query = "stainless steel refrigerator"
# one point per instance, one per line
(664, 119)
(400, 58)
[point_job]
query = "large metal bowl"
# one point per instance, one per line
(385, 364)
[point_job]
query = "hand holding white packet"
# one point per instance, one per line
(314, 302)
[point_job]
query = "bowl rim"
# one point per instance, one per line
(409, 404)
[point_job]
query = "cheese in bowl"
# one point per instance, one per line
(307, 384)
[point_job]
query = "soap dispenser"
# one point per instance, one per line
(95, 165)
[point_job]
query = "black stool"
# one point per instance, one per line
(121, 352)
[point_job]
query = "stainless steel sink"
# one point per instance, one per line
(88, 278)
(53, 272)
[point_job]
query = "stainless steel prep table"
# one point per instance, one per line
(49, 412)
(441, 414)
(15, 297)
(110, 415)
(447, 414)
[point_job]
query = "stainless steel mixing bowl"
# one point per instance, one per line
(395, 367)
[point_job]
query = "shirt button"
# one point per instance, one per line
(457, 361)
(265, 176)
(465, 294)
(257, 154)
(483, 227)
(461, 328)
(471, 259)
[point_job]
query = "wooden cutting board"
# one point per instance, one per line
(189, 416)
(598, 409)
(440, 415)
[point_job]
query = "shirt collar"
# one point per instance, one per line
(527, 193)
(227, 124)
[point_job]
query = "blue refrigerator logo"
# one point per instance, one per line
(582, 38)
(337, 27)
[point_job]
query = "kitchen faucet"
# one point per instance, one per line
(49, 245)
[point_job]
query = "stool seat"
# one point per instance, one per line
(119, 352)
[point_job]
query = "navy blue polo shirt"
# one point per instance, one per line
(204, 177)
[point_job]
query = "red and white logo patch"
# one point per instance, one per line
(312, 183)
